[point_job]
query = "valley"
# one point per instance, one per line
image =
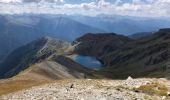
(84, 50)
(126, 55)
(38, 62)
(96, 61)
(19, 29)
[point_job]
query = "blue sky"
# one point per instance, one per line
(142, 8)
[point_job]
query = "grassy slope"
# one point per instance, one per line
(26, 79)
(13, 85)
(44, 72)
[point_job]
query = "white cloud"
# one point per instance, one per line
(10, 1)
(147, 8)
(29, 1)
(117, 2)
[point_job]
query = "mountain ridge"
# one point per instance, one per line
(50, 72)
(18, 30)
(117, 53)
(150, 54)
(31, 53)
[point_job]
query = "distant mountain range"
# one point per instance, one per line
(17, 30)
(125, 25)
(40, 50)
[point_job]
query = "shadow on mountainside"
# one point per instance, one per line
(120, 55)
(123, 57)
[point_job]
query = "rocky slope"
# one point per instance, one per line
(122, 56)
(130, 89)
(98, 44)
(51, 70)
(144, 57)
(41, 61)
(46, 61)
(140, 35)
(45, 58)
(46, 71)
(31, 53)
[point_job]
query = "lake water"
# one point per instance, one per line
(87, 61)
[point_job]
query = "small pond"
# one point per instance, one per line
(87, 61)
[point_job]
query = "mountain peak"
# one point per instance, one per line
(47, 38)
(101, 37)
(165, 30)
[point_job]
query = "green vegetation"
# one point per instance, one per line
(9, 86)
(153, 89)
